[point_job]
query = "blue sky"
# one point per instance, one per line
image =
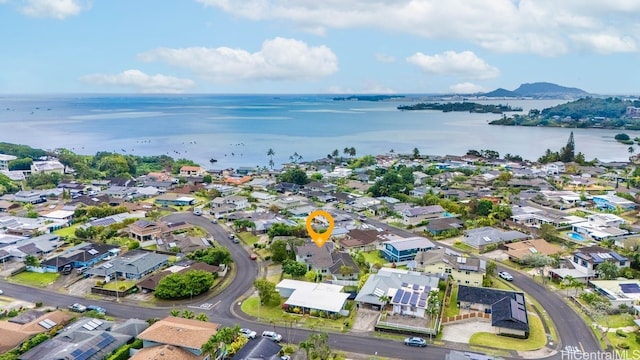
(311, 46)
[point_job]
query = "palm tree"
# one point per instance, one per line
(335, 153)
(270, 154)
(385, 300)
(631, 150)
(202, 317)
(188, 314)
(307, 346)
(174, 312)
(568, 282)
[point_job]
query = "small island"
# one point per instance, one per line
(368, 98)
(588, 112)
(461, 106)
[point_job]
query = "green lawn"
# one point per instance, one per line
(248, 238)
(634, 347)
(35, 279)
(373, 257)
(276, 316)
(452, 308)
(68, 231)
(537, 338)
(616, 321)
(464, 247)
(111, 285)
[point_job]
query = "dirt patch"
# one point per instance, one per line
(498, 255)
(365, 320)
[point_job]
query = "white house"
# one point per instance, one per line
(4, 161)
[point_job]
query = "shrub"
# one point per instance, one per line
(621, 333)
(12, 313)
(38, 304)
(623, 346)
(314, 312)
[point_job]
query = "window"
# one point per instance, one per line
(448, 271)
(467, 273)
(623, 263)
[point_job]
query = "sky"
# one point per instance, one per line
(317, 46)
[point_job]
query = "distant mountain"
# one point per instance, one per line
(539, 90)
(500, 92)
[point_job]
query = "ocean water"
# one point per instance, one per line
(238, 130)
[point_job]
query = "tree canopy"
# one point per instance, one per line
(294, 175)
(183, 285)
(212, 256)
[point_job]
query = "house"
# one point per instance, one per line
(411, 299)
(583, 264)
(5, 160)
(113, 219)
(91, 339)
(415, 215)
(448, 263)
(619, 292)
(20, 328)
(517, 251)
(19, 247)
(47, 167)
(235, 202)
(363, 240)
(30, 196)
(191, 171)
(600, 226)
(183, 242)
(613, 202)
(6, 206)
(171, 199)
(313, 296)
(80, 256)
(262, 349)
(237, 179)
(177, 338)
(324, 260)
(439, 226)
(14, 175)
(143, 230)
(405, 249)
(17, 225)
(319, 186)
(507, 308)
(482, 237)
(132, 265)
(534, 217)
(387, 281)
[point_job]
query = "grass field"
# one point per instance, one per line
(373, 257)
(248, 238)
(68, 231)
(122, 285)
(616, 321)
(452, 308)
(537, 338)
(616, 340)
(35, 279)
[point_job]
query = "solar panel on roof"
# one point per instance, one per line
(424, 296)
(99, 322)
(406, 297)
(76, 352)
(416, 286)
(93, 324)
(45, 325)
(414, 299)
(398, 296)
(517, 313)
(519, 299)
(88, 327)
(422, 303)
(107, 339)
(630, 288)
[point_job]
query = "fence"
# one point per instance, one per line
(396, 327)
(468, 316)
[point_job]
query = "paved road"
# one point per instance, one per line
(570, 326)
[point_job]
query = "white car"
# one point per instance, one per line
(505, 275)
(248, 333)
(273, 336)
(1, 292)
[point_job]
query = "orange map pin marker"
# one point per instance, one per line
(318, 238)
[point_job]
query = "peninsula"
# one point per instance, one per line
(461, 106)
(588, 112)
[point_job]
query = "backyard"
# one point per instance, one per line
(34, 278)
(373, 257)
(452, 308)
(537, 338)
(248, 238)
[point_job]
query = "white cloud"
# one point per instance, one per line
(463, 64)
(140, 81)
(383, 58)
(278, 59)
(466, 88)
(544, 27)
(56, 9)
(605, 44)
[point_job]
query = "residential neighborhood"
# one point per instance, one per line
(422, 261)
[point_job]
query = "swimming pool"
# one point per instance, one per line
(575, 236)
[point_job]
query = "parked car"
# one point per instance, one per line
(1, 292)
(273, 336)
(77, 308)
(415, 341)
(253, 256)
(248, 333)
(505, 275)
(97, 308)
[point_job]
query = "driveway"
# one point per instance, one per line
(365, 320)
(461, 332)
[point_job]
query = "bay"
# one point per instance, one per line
(238, 130)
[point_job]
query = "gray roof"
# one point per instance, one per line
(489, 235)
(386, 279)
(318, 257)
(262, 349)
(415, 242)
(454, 259)
(133, 262)
(131, 327)
(78, 342)
(424, 210)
